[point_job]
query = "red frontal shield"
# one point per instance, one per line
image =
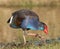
(46, 29)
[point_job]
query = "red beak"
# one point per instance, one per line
(45, 29)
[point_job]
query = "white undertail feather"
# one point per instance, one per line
(11, 20)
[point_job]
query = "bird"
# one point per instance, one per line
(27, 20)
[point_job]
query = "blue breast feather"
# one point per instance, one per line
(32, 24)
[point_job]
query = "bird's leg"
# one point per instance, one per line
(24, 33)
(29, 34)
(32, 34)
(36, 35)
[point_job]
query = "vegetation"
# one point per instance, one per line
(32, 46)
(30, 3)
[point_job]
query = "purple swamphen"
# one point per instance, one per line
(27, 20)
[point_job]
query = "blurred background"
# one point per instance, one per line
(48, 11)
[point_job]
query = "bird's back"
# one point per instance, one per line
(24, 13)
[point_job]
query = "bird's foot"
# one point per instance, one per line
(25, 43)
(42, 38)
(36, 35)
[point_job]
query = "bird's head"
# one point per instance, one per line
(43, 27)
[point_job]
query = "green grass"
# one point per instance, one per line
(30, 45)
(46, 46)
